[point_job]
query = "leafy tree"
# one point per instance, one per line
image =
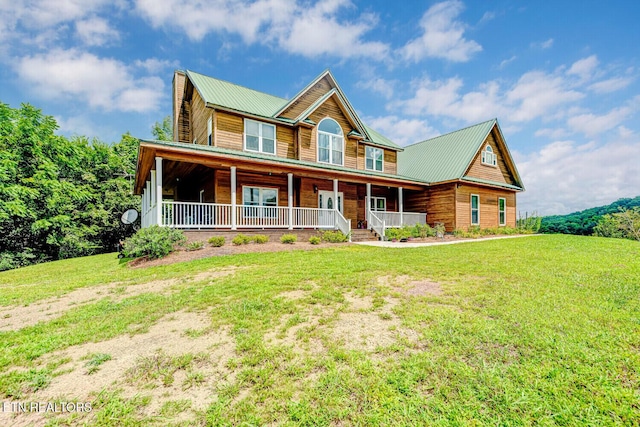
(584, 222)
(59, 197)
(625, 223)
(163, 131)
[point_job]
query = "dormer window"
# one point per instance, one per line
(373, 159)
(330, 142)
(489, 157)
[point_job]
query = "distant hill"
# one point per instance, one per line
(583, 222)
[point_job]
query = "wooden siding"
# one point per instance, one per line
(306, 99)
(441, 206)
(498, 173)
(488, 206)
(389, 165)
(229, 130)
(199, 116)
(332, 110)
(178, 118)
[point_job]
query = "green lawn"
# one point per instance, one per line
(542, 330)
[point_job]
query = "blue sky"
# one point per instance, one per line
(562, 77)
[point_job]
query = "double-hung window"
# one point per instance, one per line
(373, 158)
(489, 157)
(259, 137)
(260, 202)
(475, 209)
(210, 132)
(330, 142)
(502, 211)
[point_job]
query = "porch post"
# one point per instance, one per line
(400, 205)
(159, 190)
(335, 200)
(154, 198)
(143, 216)
(148, 202)
(367, 203)
(290, 201)
(234, 218)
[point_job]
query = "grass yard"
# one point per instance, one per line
(542, 330)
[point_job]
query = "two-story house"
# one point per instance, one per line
(244, 159)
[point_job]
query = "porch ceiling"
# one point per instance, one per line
(187, 160)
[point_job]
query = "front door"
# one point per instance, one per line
(326, 201)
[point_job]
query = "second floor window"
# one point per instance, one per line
(373, 159)
(260, 137)
(330, 142)
(488, 156)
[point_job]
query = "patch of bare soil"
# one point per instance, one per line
(423, 287)
(178, 334)
(14, 318)
(228, 249)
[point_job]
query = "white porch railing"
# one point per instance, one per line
(377, 224)
(216, 215)
(380, 221)
(200, 215)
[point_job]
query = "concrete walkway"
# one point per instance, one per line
(390, 244)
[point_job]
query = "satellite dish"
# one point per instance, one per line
(129, 217)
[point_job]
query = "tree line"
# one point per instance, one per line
(61, 197)
(585, 222)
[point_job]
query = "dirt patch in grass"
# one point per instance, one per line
(15, 318)
(180, 336)
(229, 249)
(423, 287)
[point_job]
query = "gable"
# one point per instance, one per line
(305, 99)
(499, 173)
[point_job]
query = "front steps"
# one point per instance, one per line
(359, 235)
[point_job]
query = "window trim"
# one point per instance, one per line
(472, 209)
(260, 208)
(210, 131)
(366, 149)
(502, 213)
(260, 145)
(375, 204)
(330, 135)
(489, 157)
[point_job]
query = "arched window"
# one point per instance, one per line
(330, 142)
(488, 156)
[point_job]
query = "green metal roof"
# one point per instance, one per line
(245, 100)
(239, 98)
(445, 157)
(381, 140)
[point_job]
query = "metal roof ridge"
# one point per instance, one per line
(494, 120)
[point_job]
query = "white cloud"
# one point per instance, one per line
(96, 32)
(506, 62)
(611, 85)
(543, 45)
(443, 35)
(584, 68)
(304, 29)
(591, 124)
(378, 85)
(402, 131)
(103, 83)
(536, 94)
(565, 177)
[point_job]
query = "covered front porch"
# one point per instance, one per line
(217, 193)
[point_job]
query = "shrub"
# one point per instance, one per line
(335, 236)
(439, 230)
(260, 238)
(288, 239)
(241, 239)
(153, 242)
(315, 240)
(195, 245)
(216, 241)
